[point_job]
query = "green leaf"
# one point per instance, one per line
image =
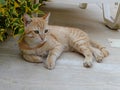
(35, 6)
(21, 31)
(2, 1)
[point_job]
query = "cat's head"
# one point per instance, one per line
(36, 28)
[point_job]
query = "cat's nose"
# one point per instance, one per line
(42, 37)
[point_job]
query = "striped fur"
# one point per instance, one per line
(35, 46)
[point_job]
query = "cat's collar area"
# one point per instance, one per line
(24, 45)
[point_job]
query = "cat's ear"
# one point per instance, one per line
(27, 19)
(46, 17)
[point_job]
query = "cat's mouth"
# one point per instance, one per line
(44, 40)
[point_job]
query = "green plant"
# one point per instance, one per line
(11, 13)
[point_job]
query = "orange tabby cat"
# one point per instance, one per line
(41, 39)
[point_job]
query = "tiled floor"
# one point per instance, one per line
(69, 74)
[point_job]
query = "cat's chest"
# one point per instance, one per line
(38, 51)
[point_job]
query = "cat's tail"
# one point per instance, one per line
(100, 47)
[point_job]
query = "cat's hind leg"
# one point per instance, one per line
(97, 54)
(32, 58)
(100, 47)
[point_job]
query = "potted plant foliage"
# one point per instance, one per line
(11, 13)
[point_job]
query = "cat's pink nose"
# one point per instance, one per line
(42, 37)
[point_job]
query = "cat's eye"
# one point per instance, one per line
(36, 31)
(46, 30)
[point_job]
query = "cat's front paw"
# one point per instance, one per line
(87, 64)
(50, 64)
